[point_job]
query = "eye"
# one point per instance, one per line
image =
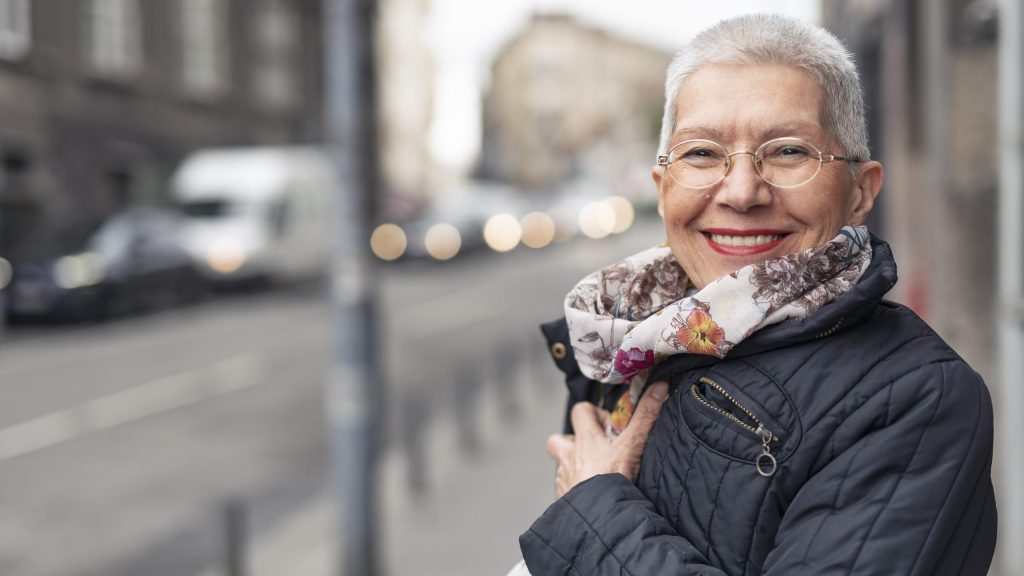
(700, 155)
(787, 153)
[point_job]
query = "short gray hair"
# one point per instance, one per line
(773, 39)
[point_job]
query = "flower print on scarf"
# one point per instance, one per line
(615, 275)
(641, 303)
(658, 282)
(670, 277)
(633, 361)
(622, 413)
(782, 280)
(602, 354)
(805, 279)
(702, 335)
(584, 296)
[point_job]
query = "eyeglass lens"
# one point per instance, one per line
(784, 162)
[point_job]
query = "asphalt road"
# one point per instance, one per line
(120, 443)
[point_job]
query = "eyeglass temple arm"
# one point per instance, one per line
(826, 158)
(662, 159)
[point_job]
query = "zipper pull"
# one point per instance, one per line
(765, 463)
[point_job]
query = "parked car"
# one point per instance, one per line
(257, 214)
(131, 261)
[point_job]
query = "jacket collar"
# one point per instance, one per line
(843, 313)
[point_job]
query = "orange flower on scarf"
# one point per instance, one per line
(622, 413)
(701, 335)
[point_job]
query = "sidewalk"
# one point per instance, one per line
(472, 509)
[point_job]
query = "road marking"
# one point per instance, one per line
(116, 341)
(132, 404)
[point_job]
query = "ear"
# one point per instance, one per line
(866, 187)
(656, 174)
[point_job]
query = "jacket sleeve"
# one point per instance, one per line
(908, 493)
(606, 527)
(579, 387)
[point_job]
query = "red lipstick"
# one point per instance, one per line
(729, 250)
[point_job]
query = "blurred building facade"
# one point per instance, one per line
(406, 73)
(930, 78)
(567, 101)
(100, 99)
(935, 91)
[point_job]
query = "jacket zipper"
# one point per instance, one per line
(765, 463)
(831, 330)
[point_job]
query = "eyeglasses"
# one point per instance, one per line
(782, 162)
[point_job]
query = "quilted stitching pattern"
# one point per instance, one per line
(844, 502)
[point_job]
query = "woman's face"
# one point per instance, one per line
(743, 219)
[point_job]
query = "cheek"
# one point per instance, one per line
(680, 210)
(824, 209)
(835, 214)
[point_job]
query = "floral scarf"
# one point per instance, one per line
(625, 318)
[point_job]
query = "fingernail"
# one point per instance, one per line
(660, 391)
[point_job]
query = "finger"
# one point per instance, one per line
(560, 447)
(604, 418)
(585, 420)
(646, 413)
(562, 481)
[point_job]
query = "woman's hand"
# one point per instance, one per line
(591, 452)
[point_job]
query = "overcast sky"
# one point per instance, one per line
(464, 35)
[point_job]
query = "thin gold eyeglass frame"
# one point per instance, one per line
(663, 160)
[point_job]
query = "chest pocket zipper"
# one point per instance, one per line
(729, 407)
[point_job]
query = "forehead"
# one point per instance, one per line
(730, 102)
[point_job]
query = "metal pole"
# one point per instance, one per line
(5, 267)
(1011, 286)
(945, 256)
(235, 538)
(353, 385)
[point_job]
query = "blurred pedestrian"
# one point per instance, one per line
(743, 400)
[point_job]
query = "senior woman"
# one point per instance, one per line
(782, 417)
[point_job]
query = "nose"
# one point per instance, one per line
(743, 188)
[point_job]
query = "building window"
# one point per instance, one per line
(115, 37)
(204, 46)
(15, 28)
(276, 54)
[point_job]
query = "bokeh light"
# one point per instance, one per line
(388, 242)
(624, 213)
(597, 220)
(538, 229)
(442, 241)
(72, 272)
(226, 256)
(502, 232)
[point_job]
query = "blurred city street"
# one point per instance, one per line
(189, 189)
(122, 443)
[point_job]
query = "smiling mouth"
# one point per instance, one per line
(745, 241)
(737, 243)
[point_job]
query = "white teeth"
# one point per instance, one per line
(744, 241)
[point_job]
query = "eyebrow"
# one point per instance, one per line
(696, 132)
(791, 129)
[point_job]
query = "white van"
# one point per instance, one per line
(257, 214)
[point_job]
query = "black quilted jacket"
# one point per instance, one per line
(882, 437)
